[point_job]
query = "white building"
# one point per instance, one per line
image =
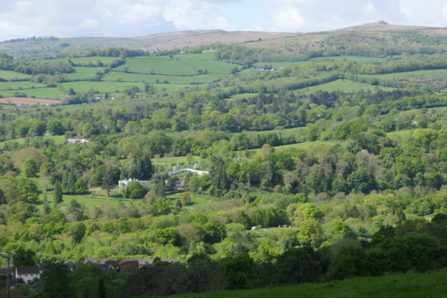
(28, 273)
(199, 173)
(78, 139)
(126, 182)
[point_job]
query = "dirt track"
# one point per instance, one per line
(26, 100)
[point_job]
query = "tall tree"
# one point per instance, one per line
(107, 181)
(29, 169)
(65, 182)
(161, 191)
(71, 186)
(220, 178)
(101, 289)
(57, 194)
(56, 281)
(46, 204)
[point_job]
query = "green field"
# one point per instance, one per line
(399, 134)
(415, 76)
(131, 77)
(343, 85)
(101, 87)
(158, 66)
(210, 66)
(349, 58)
(18, 85)
(203, 56)
(104, 60)
(49, 93)
(11, 75)
(410, 285)
(83, 73)
(244, 95)
(57, 139)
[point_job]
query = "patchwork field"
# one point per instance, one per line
(158, 66)
(343, 85)
(12, 75)
(48, 93)
(131, 77)
(203, 56)
(30, 101)
(83, 72)
(210, 66)
(20, 85)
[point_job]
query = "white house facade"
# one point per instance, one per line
(28, 273)
(78, 139)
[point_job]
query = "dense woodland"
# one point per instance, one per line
(356, 203)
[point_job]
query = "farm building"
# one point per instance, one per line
(78, 139)
(199, 173)
(125, 183)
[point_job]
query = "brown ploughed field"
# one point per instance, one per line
(26, 100)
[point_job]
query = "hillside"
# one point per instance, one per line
(165, 41)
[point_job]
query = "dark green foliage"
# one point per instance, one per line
(239, 271)
(350, 262)
(107, 181)
(214, 232)
(163, 237)
(57, 194)
(136, 190)
(56, 281)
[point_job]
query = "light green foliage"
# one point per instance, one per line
(81, 186)
(29, 168)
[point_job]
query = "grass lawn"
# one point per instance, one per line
(159, 66)
(172, 160)
(101, 87)
(210, 66)
(44, 93)
(280, 64)
(132, 77)
(83, 72)
(93, 59)
(343, 85)
(399, 134)
(10, 75)
(57, 139)
(196, 200)
(349, 58)
(406, 285)
(413, 75)
(203, 56)
(439, 109)
(18, 85)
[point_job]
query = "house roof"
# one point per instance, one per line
(78, 138)
(91, 260)
(114, 264)
(145, 261)
(131, 264)
(42, 265)
(28, 270)
(127, 260)
(103, 261)
(37, 285)
(5, 271)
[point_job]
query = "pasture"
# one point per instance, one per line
(343, 85)
(210, 66)
(94, 60)
(132, 77)
(399, 134)
(349, 58)
(83, 73)
(12, 75)
(410, 285)
(48, 93)
(102, 87)
(412, 76)
(203, 56)
(20, 85)
(158, 66)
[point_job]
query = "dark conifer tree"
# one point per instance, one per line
(107, 181)
(71, 187)
(57, 194)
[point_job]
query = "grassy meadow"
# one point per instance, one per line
(49, 93)
(12, 75)
(20, 85)
(410, 285)
(342, 85)
(159, 66)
